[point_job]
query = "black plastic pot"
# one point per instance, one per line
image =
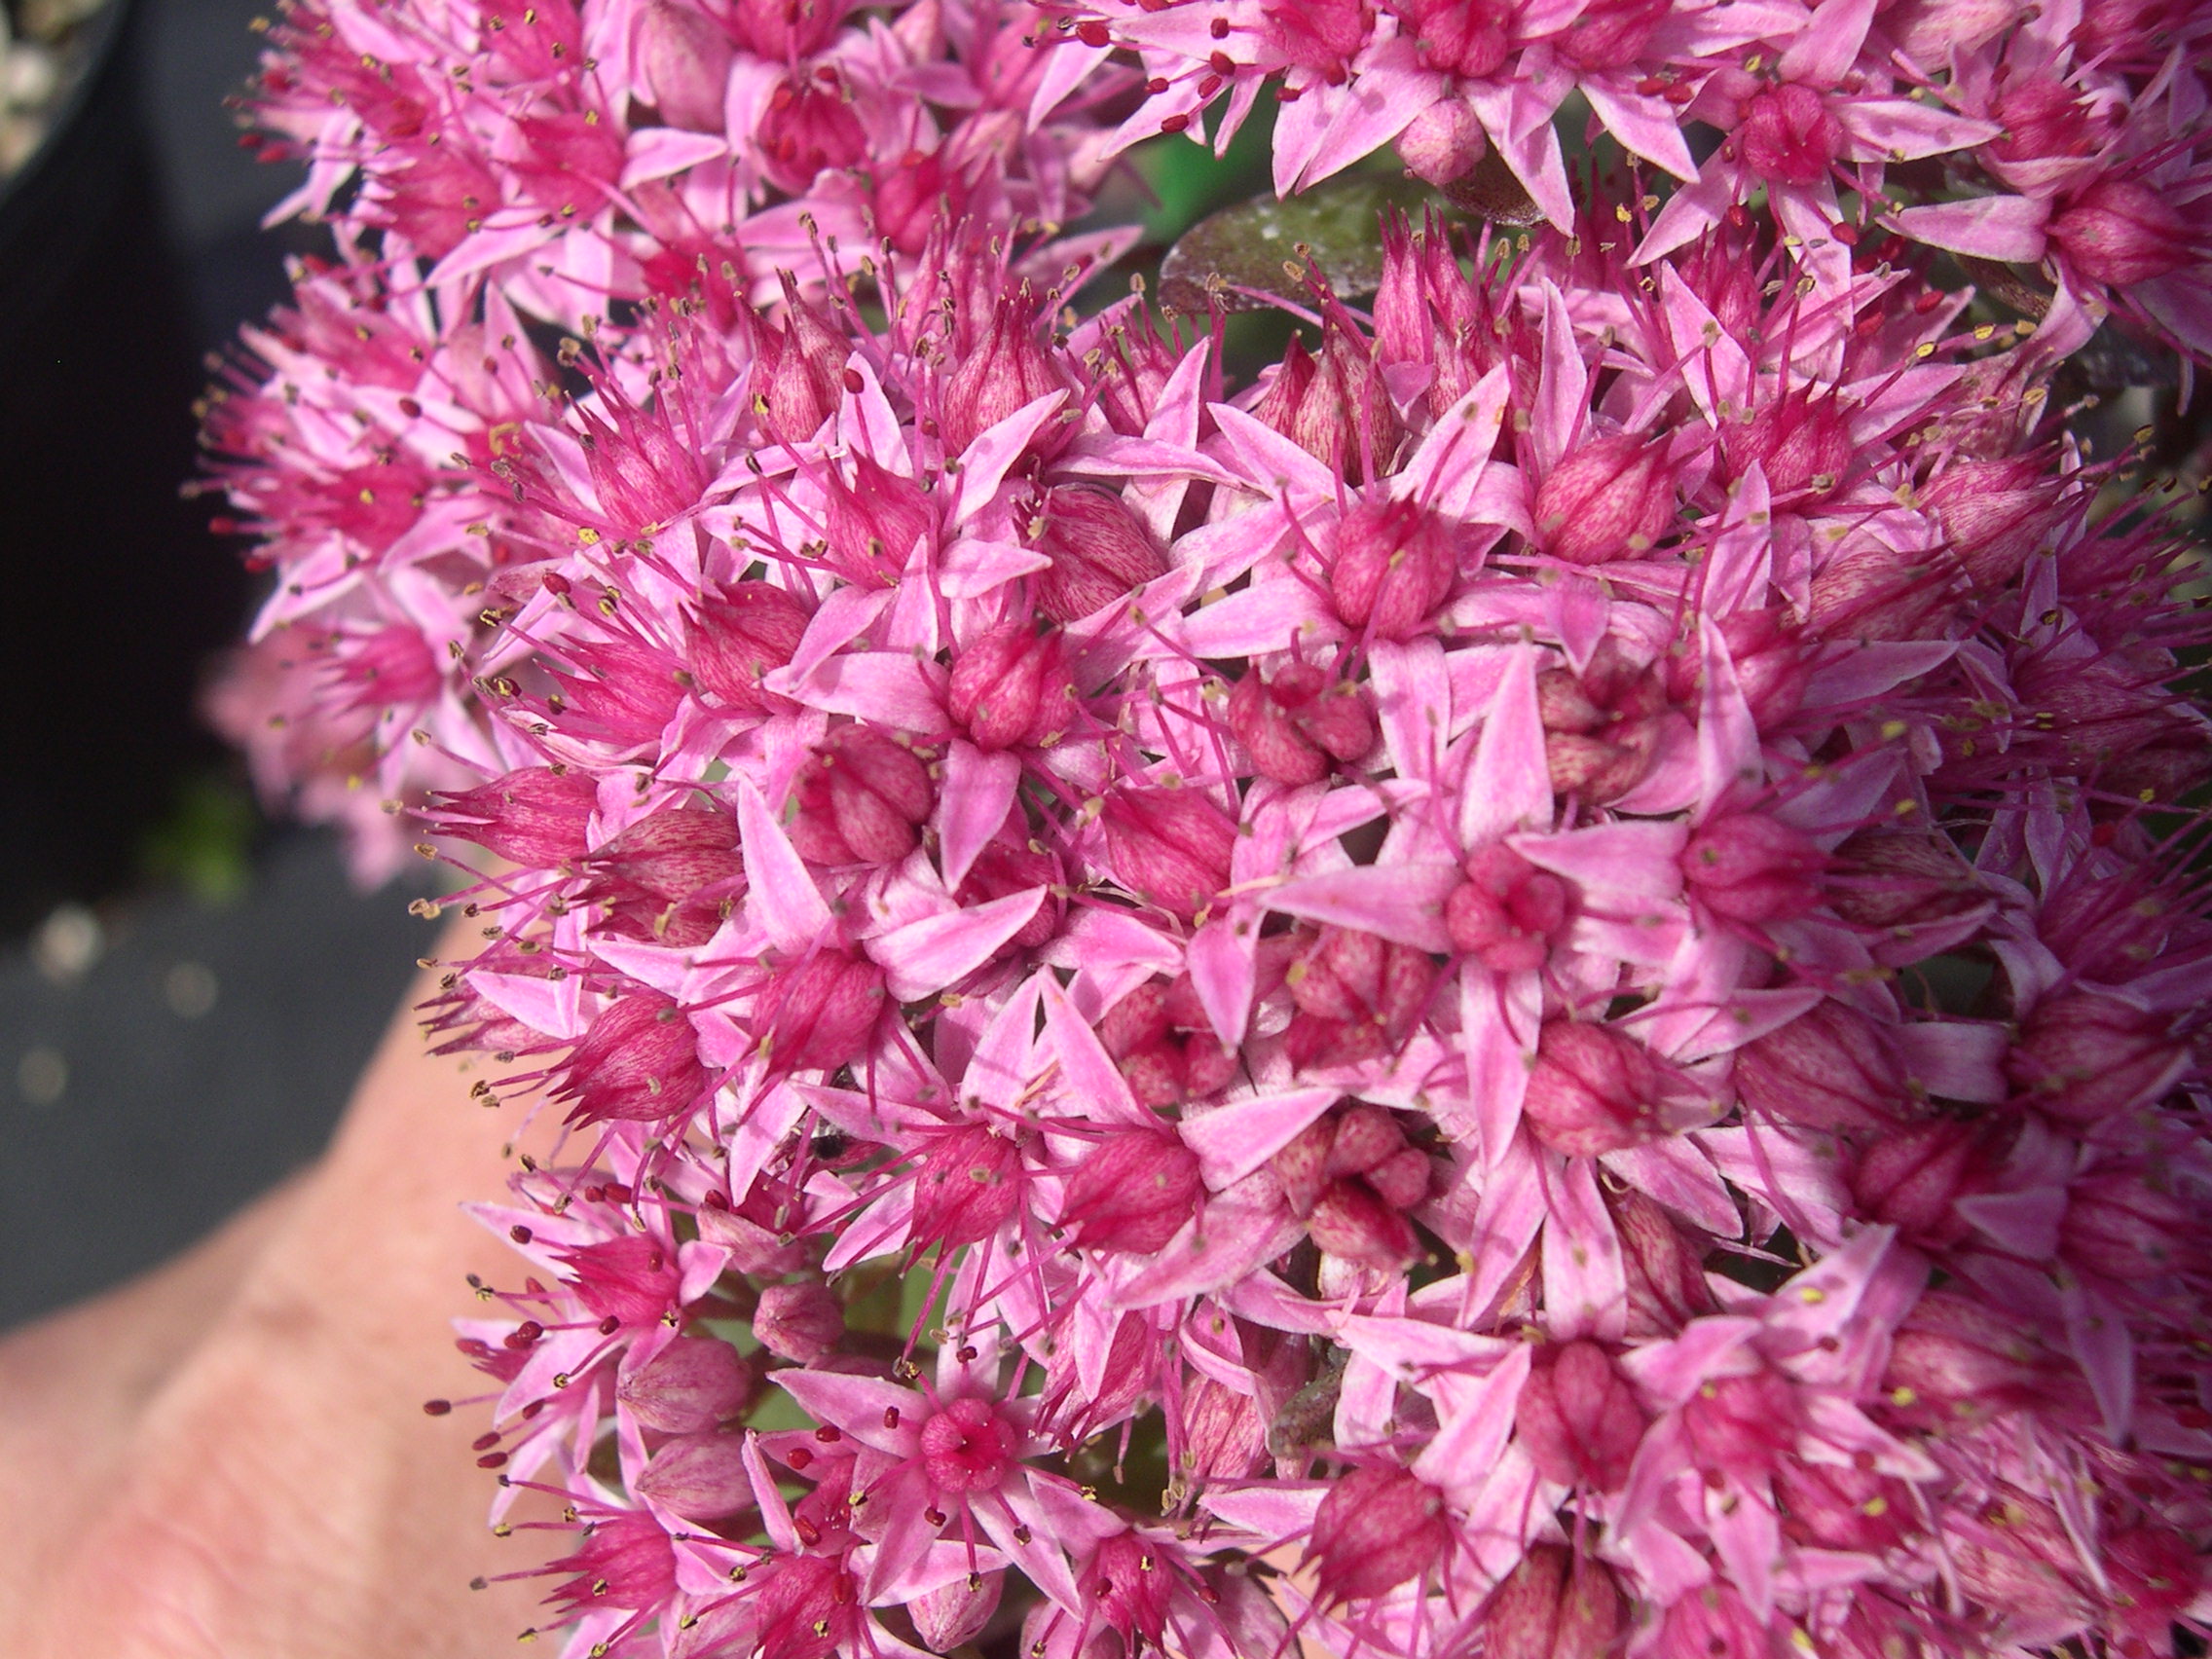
(112, 594)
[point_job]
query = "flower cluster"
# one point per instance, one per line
(2068, 137)
(1527, 986)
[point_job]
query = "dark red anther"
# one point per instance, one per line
(890, 1417)
(485, 1442)
(492, 1460)
(798, 1457)
(827, 1435)
(437, 1408)
(1174, 123)
(609, 1325)
(521, 1234)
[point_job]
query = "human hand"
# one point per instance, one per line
(228, 1458)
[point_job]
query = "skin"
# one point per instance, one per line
(228, 1458)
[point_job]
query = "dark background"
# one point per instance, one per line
(186, 990)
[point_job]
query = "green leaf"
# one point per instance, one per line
(1335, 225)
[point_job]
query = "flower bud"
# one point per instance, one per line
(1910, 1179)
(1132, 1192)
(1898, 881)
(688, 1388)
(800, 1322)
(862, 798)
(1712, 1621)
(2043, 120)
(1467, 38)
(808, 127)
(1392, 564)
(1802, 445)
(1742, 1425)
(1443, 143)
(1591, 1090)
(538, 815)
(1835, 1506)
(1356, 995)
(1099, 552)
(1318, 34)
(1578, 1418)
(1295, 725)
(1005, 371)
(683, 58)
(701, 1476)
(966, 1185)
(1955, 1361)
(784, 30)
(1223, 1436)
(1826, 1069)
(916, 195)
(1169, 847)
(1166, 1043)
(956, 1611)
(1509, 913)
(2083, 1058)
(2122, 232)
(1552, 1606)
(797, 366)
(1375, 1528)
(1609, 34)
(2120, 1225)
(1751, 867)
(1663, 1264)
(823, 1011)
(1611, 499)
(1010, 685)
(1351, 1221)
(739, 634)
(1789, 136)
(639, 1062)
(1010, 864)
(1337, 411)
(875, 522)
(1994, 513)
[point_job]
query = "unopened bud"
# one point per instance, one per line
(1005, 371)
(1591, 1090)
(2120, 1225)
(1133, 1192)
(1375, 1528)
(1300, 721)
(2083, 1058)
(1393, 564)
(1609, 34)
(688, 1388)
(739, 634)
(1169, 847)
(1356, 994)
(1611, 499)
(956, 1611)
(684, 60)
(1578, 1418)
(861, 799)
(1509, 913)
(1099, 552)
(1827, 1069)
(1994, 513)
(1010, 685)
(823, 1011)
(1910, 1179)
(535, 817)
(2120, 231)
(1753, 868)
(1443, 143)
(701, 1476)
(1351, 1221)
(1553, 1606)
(1789, 136)
(799, 1322)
